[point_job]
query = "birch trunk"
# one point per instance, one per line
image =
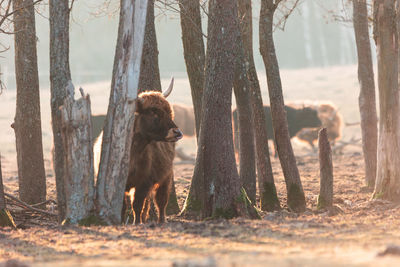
(388, 172)
(366, 100)
(77, 138)
(118, 129)
(295, 193)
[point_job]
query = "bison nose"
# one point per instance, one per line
(178, 133)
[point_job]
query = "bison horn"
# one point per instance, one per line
(169, 90)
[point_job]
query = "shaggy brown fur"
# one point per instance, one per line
(152, 153)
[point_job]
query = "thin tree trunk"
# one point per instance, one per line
(388, 172)
(325, 198)
(27, 125)
(194, 53)
(241, 86)
(266, 185)
(149, 70)
(295, 193)
(215, 168)
(366, 100)
(60, 76)
(118, 129)
(77, 138)
(193, 49)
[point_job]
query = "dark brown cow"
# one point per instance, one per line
(152, 153)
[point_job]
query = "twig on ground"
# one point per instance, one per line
(29, 207)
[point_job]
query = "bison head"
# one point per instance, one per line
(309, 117)
(154, 117)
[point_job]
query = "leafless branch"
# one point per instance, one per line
(22, 204)
(286, 9)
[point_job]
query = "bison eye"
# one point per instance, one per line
(156, 119)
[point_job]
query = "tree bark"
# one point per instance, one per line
(215, 168)
(193, 50)
(77, 138)
(366, 99)
(388, 172)
(325, 198)
(60, 76)
(27, 125)
(295, 193)
(268, 197)
(149, 70)
(118, 129)
(241, 86)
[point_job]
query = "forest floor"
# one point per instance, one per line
(357, 234)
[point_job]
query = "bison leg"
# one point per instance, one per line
(162, 196)
(146, 208)
(141, 193)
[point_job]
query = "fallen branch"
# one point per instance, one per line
(29, 207)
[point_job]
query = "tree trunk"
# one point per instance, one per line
(5, 217)
(266, 185)
(241, 86)
(118, 129)
(215, 169)
(193, 50)
(27, 125)
(295, 193)
(366, 100)
(325, 198)
(150, 81)
(60, 76)
(388, 172)
(76, 131)
(149, 71)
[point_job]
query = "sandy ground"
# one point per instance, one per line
(353, 236)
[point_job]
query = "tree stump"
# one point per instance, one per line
(76, 131)
(5, 217)
(325, 198)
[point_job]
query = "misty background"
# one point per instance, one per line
(311, 38)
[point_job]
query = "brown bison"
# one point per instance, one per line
(184, 117)
(152, 153)
(297, 118)
(331, 120)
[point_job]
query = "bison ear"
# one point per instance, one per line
(139, 104)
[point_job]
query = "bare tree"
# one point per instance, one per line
(60, 76)
(366, 100)
(27, 124)
(215, 170)
(193, 49)
(117, 133)
(385, 34)
(295, 193)
(241, 86)
(266, 185)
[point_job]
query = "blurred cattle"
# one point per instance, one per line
(298, 118)
(330, 118)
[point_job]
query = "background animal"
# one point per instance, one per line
(330, 118)
(297, 118)
(152, 154)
